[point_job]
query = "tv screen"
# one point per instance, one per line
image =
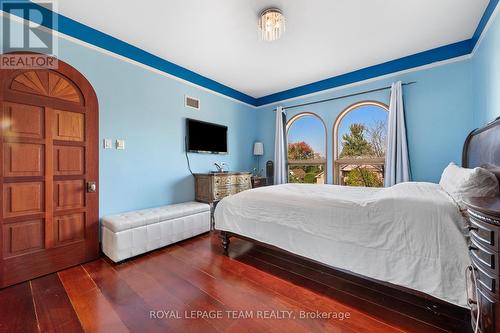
(203, 137)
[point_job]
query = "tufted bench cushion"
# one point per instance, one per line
(132, 233)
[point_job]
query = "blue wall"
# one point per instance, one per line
(147, 110)
(486, 76)
(438, 116)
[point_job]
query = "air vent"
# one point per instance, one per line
(191, 102)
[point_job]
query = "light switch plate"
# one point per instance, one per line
(120, 144)
(107, 144)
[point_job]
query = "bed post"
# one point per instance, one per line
(224, 235)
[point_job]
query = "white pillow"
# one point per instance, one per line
(461, 183)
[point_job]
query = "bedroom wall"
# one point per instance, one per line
(486, 75)
(146, 109)
(438, 115)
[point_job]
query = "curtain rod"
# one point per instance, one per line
(345, 96)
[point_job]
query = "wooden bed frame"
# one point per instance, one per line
(381, 298)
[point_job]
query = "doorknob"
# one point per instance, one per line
(91, 187)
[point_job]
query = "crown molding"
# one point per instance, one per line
(104, 42)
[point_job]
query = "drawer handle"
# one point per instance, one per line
(471, 301)
(471, 228)
(472, 248)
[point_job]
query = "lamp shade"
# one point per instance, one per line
(258, 148)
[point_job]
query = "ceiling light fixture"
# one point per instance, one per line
(271, 24)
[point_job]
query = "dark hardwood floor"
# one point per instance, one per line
(234, 294)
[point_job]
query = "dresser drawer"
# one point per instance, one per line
(484, 234)
(240, 188)
(483, 256)
(489, 312)
(485, 279)
(221, 192)
(242, 180)
(222, 181)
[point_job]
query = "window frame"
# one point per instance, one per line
(289, 124)
(335, 135)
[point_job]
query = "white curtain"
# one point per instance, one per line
(397, 165)
(280, 152)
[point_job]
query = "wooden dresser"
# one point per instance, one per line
(484, 250)
(212, 187)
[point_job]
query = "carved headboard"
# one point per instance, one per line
(482, 148)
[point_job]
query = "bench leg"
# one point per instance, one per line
(225, 241)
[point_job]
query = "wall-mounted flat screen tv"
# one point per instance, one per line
(203, 137)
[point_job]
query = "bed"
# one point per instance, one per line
(409, 234)
(406, 244)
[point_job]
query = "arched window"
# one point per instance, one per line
(306, 136)
(359, 140)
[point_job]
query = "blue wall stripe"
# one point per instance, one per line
(416, 60)
(484, 21)
(92, 36)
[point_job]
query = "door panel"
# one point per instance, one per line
(22, 199)
(69, 160)
(70, 228)
(69, 194)
(23, 159)
(68, 126)
(23, 237)
(48, 154)
(25, 121)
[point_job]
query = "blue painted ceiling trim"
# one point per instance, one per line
(484, 21)
(92, 36)
(416, 60)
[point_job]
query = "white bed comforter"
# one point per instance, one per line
(409, 234)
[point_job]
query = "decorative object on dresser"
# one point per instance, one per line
(259, 182)
(484, 250)
(258, 150)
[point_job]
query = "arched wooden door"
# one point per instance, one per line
(48, 161)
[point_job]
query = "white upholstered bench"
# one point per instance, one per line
(133, 233)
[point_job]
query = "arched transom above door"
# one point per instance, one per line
(47, 83)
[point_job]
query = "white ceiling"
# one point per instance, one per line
(324, 38)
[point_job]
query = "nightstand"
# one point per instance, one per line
(484, 251)
(259, 182)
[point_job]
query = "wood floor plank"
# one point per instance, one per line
(129, 306)
(164, 272)
(201, 252)
(17, 311)
(194, 275)
(53, 307)
(159, 298)
(296, 273)
(252, 297)
(190, 294)
(94, 312)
